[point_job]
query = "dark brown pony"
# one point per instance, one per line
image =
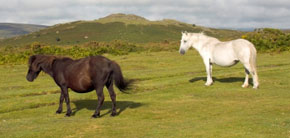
(82, 76)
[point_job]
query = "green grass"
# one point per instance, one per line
(169, 99)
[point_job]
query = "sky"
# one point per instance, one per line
(209, 13)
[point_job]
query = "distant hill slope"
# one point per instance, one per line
(130, 28)
(11, 29)
(286, 30)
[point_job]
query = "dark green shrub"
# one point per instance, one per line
(269, 39)
(12, 55)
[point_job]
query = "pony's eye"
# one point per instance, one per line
(184, 41)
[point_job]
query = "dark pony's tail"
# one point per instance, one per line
(120, 81)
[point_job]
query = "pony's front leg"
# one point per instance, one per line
(64, 91)
(208, 68)
(59, 110)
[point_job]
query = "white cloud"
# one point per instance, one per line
(211, 13)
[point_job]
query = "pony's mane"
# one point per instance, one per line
(201, 35)
(194, 34)
(41, 58)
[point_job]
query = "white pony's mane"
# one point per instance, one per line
(185, 32)
(201, 34)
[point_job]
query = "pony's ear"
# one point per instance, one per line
(33, 62)
(31, 59)
(184, 32)
(47, 63)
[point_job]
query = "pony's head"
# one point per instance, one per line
(37, 63)
(187, 40)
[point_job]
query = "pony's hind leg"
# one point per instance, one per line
(254, 74)
(113, 97)
(101, 98)
(255, 79)
(246, 82)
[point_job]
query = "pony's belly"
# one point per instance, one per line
(224, 58)
(83, 90)
(226, 63)
(81, 86)
(80, 82)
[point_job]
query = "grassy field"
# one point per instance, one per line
(169, 99)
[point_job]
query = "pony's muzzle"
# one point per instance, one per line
(29, 78)
(182, 52)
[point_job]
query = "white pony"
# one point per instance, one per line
(227, 53)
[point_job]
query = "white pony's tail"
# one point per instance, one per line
(253, 59)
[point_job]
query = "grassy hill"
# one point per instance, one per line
(286, 30)
(130, 28)
(8, 30)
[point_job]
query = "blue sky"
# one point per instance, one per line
(210, 13)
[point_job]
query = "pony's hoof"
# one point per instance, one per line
(208, 84)
(255, 87)
(245, 85)
(96, 115)
(113, 114)
(58, 111)
(68, 114)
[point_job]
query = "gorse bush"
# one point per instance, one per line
(269, 40)
(20, 55)
(88, 49)
(12, 55)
